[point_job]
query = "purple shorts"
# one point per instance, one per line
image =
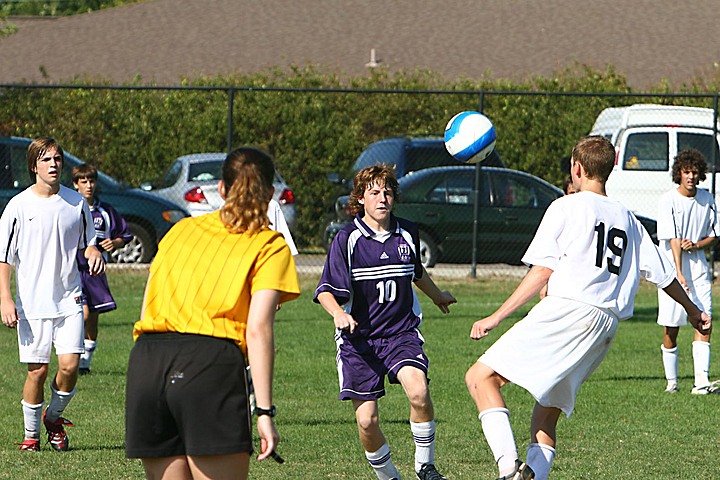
(96, 292)
(363, 363)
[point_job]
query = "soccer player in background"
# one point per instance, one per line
(42, 231)
(591, 251)
(370, 269)
(112, 233)
(209, 305)
(686, 227)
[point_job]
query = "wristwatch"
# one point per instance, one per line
(263, 411)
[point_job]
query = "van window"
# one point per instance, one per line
(646, 151)
(380, 153)
(419, 158)
(700, 142)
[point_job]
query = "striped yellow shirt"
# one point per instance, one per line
(203, 277)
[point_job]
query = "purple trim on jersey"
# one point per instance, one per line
(108, 224)
(373, 280)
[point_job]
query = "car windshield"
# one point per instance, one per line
(205, 171)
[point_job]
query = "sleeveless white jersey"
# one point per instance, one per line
(598, 252)
(41, 237)
(691, 218)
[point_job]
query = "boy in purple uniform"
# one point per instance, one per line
(369, 270)
(112, 233)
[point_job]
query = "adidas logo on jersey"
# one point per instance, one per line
(384, 256)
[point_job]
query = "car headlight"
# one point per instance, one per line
(173, 216)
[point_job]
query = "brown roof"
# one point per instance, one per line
(164, 40)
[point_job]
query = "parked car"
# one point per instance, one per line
(147, 216)
(191, 181)
(441, 200)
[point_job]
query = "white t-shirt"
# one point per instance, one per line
(691, 218)
(279, 224)
(598, 251)
(41, 237)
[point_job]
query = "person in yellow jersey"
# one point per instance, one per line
(209, 305)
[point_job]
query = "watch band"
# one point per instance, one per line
(265, 411)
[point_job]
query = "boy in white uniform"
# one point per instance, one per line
(41, 230)
(591, 251)
(686, 226)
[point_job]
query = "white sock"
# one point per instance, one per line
(701, 362)
(424, 436)
(540, 458)
(87, 355)
(32, 415)
(498, 433)
(58, 401)
(670, 363)
(382, 464)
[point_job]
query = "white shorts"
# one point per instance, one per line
(37, 336)
(553, 350)
(671, 314)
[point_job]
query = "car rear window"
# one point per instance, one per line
(205, 171)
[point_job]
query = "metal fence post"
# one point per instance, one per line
(231, 102)
(476, 204)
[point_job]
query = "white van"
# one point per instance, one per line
(647, 138)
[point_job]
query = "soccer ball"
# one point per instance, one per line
(470, 137)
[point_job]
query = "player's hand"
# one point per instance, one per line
(9, 314)
(683, 283)
(703, 324)
(687, 245)
(269, 437)
(444, 302)
(482, 327)
(107, 245)
(344, 321)
(96, 263)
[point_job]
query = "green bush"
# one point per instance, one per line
(315, 122)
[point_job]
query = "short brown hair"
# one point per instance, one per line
(84, 170)
(596, 155)
(689, 159)
(367, 177)
(37, 149)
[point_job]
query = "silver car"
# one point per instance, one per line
(191, 181)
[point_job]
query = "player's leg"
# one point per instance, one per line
(167, 468)
(90, 342)
(669, 350)
(543, 438)
(484, 385)
(35, 346)
(377, 450)
(220, 467)
(702, 296)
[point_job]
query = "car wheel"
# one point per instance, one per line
(428, 250)
(141, 249)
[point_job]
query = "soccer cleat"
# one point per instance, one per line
(428, 472)
(30, 445)
(671, 388)
(709, 389)
(84, 371)
(57, 437)
(522, 472)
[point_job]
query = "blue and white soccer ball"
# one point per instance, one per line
(470, 137)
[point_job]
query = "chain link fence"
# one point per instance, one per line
(474, 220)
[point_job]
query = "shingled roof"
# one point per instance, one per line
(164, 40)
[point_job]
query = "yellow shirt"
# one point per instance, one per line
(203, 277)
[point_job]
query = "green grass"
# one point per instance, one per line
(623, 423)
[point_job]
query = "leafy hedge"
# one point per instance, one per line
(314, 122)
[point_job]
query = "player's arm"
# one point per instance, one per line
(698, 319)
(677, 249)
(342, 319)
(261, 356)
(443, 299)
(690, 246)
(7, 305)
(530, 286)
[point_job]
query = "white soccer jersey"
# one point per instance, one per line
(691, 218)
(41, 237)
(598, 251)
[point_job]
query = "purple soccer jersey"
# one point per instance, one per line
(373, 280)
(108, 224)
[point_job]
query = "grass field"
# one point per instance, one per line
(624, 425)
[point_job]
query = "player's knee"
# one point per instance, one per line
(368, 423)
(38, 374)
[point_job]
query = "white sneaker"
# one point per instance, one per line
(708, 389)
(671, 388)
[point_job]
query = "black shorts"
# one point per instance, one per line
(186, 395)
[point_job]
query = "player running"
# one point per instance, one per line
(591, 251)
